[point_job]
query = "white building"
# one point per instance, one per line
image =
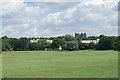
(50, 41)
(34, 40)
(89, 41)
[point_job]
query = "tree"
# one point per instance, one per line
(14, 43)
(92, 37)
(24, 43)
(43, 44)
(70, 46)
(117, 44)
(20, 44)
(80, 36)
(6, 44)
(92, 45)
(102, 36)
(81, 46)
(84, 46)
(105, 44)
(0, 45)
(33, 46)
(58, 42)
(40, 45)
(69, 38)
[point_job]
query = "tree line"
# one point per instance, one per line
(66, 42)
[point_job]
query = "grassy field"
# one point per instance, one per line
(0, 66)
(59, 64)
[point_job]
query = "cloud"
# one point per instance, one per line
(95, 17)
(54, 18)
(33, 10)
(52, 0)
(70, 12)
(9, 6)
(54, 5)
(57, 18)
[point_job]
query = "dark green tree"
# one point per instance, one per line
(117, 44)
(58, 42)
(70, 46)
(6, 44)
(105, 44)
(92, 45)
(81, 36)
(69, 38)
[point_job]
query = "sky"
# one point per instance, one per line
(45, 18)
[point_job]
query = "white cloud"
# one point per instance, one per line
(9, 6)
(69, 12)
(58, 18)
(54, 18)
(34, 10)
(50, 19)
(96, 17)
(52, 0)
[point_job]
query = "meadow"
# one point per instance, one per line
(0, 66)
(60, 64)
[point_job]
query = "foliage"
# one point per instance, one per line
(80, 36)
(92, 37)
(58, 42)
(70, 46)
(40, 45)
(67, 42)
(69, 38)
(105, 43)
(117, 44)
(6, 44)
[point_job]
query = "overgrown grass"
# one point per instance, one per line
(60, 64)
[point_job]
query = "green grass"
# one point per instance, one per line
(0, 66)
(60, 64)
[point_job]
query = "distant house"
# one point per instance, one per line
(89, 41)
(50, 41)
(34, 40)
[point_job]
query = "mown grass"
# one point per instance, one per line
(60, 64)
(0, 66)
